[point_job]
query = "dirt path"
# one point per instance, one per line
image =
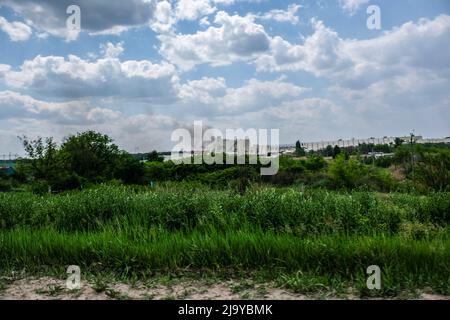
(46, 288)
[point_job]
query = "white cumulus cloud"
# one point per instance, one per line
(74, 77)
(289, 15)
(234, 38)
(16, 30)
(352, 6)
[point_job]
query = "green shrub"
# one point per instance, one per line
(189, 206)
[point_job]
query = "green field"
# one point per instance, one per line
(314, 227)
(307, 241)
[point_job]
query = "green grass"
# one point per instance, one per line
(272, 209)
(407, 263)
(309, 242)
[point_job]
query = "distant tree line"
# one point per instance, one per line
(90, 158)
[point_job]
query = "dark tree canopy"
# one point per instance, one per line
(82, 159)
(299, 150)
(91, 155)
(155, 157)
(336, 151)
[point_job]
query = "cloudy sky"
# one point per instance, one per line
(139, 69)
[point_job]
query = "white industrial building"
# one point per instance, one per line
(355, 142)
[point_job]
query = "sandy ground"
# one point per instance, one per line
(47, 288)
(50, 288)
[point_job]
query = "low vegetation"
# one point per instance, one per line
(315, 226)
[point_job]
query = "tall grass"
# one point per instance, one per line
(326, 234)
(418, 263)
(277, 210)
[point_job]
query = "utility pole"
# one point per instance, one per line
(373, 155)
(412, 153)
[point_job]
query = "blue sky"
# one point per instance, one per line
(139, 69)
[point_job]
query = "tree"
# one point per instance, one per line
(91, 155)
(398, 142)
(129, 170)
(329, 151)
(155, 157)
(88, 157)
(299, 150)
(336, 151)
(41, 161)
(43, 167)
(95, 158)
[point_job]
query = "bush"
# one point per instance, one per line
(315, 163)
(351, 174)
(433, 169)
(416, 230)
(346, 173)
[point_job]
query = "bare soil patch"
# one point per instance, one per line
(49, 288)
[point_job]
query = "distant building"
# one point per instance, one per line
(444, 140)
(316, 146)
(243, 146)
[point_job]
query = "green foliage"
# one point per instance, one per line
(315, 264)
(8, 181)
(336, 151)
(363, 148)
(433, 169)
(398, 142)
(219, 217)
(330, 237)
(346, 173)
(315, 163)
(83, 159)
(329, 151)
(188, 206)
(90, 158)
(43, 163)
(129, 170)
(299, 150)
(91, 155)
(383, 162)
(351, 173)
(155, 157)
(158, 171)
